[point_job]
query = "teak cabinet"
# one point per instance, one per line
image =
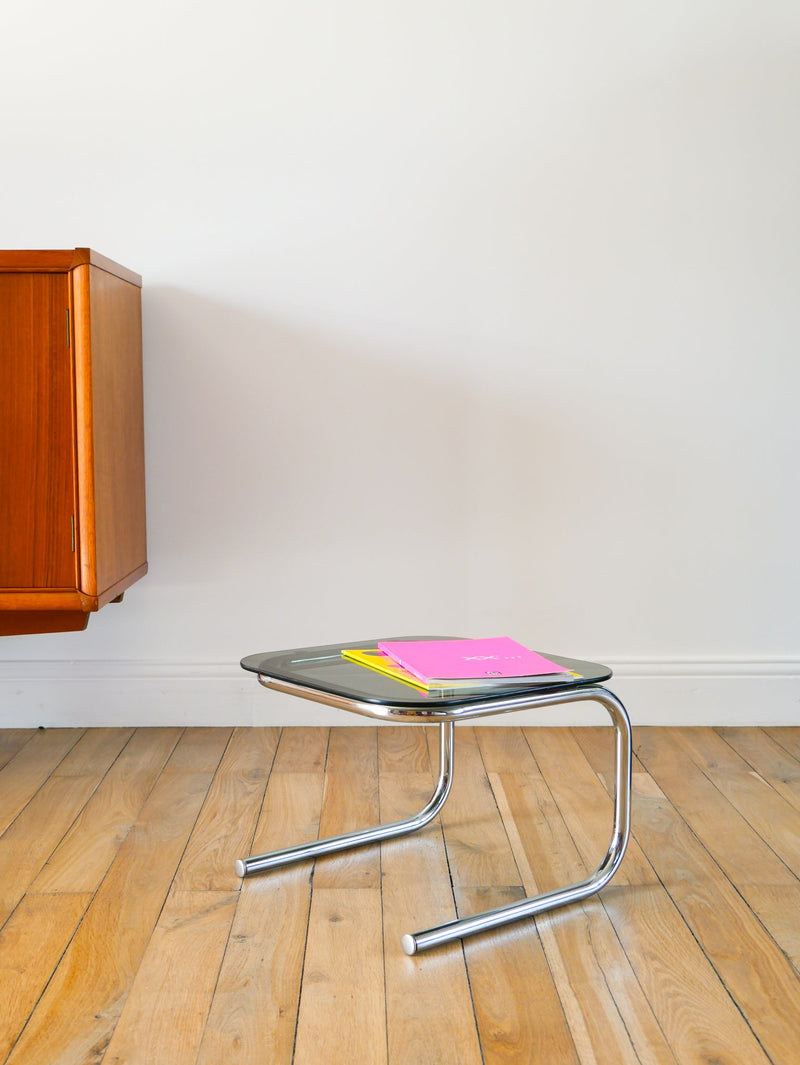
(72, 507)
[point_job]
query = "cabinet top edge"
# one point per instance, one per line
(61, 261)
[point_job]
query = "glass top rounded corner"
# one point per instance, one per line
(324, 669)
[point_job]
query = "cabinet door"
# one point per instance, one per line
(37, 486)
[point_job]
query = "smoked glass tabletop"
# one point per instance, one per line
(324, 669)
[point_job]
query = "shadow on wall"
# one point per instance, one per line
(265, 443)
(281, 461)
(270, 447)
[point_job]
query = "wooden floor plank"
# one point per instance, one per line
(721, 921)
(609, 1016)
(350, 803)
(757, 801)
(30, 767)
(764, 881)
(13, 740)
(519, 1013)
(692, 1005)
(422, 990)
(225, 827)
(504, 750)
(787, 737)
(82, 858)
(302, 750)
(78, 1012)
(254, 1010)
(597, 744)
(97, 747)
(28, 843)
(342, 1008)
(477, 844)
(200, 750)
(284, 819)
(767, 758)
(253, 1013)
(165, 1012)
(509, 968)
(405, 750)
(27, 960)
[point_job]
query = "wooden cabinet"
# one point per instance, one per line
(72, 507)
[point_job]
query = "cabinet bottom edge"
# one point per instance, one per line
(28, 622)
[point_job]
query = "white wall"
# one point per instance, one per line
(474, 317)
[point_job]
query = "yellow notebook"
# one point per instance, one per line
(372, 658)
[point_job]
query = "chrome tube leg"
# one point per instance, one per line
(275, 859)
(467, 926)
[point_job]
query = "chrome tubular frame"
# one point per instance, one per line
(446, 717)
(467, 926)
(275, 859)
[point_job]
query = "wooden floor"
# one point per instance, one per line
(125, 935)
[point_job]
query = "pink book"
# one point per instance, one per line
(491, 660)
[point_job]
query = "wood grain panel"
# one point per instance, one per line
(37, 488)
(37, 261)
(60, 261)
(110, 423)
(45, 600)
(23, 622)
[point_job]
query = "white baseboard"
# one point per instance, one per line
(91, 693)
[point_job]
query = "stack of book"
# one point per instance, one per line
(460, 666)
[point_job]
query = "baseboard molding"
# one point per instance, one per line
(109, 693)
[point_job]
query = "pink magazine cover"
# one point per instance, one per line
(489, 659)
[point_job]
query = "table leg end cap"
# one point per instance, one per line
(409, 944)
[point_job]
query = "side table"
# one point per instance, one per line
(323, 675)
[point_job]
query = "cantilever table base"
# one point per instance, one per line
(322, 675)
